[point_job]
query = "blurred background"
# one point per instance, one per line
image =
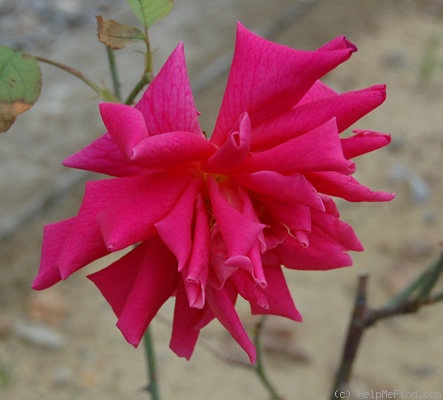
(62, 344)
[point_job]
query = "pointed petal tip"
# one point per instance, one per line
(131, 337)
(352, 47)
(37, 285)
(106, 108)
(381, 89)
(389, 196)
(252, 354)
(240, 26)
(44, 282)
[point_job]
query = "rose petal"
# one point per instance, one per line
(338, 230)
(198, 268)
(130, 207)
(233, 151)
(278, 296)
(323, 253)
(267, 79)
(222, 305)
(168, 105)
(84, 242)
(251, 263)
(346, 187)
(169, 149)
(125, 124)
(184, 328)
(346, 108)
(317, 150)
(147, 278)
(103, 156)
(364, 142)
(175, 227)
(292, 189)
(238, 229)
(53, 239)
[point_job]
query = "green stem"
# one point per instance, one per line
(259, 366)
(424, 283)
(114, 72)
(71, 71)
(151, 364)
(144, 80)
(432, 274)
(147, 73)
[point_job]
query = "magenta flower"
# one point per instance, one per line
(214, 219)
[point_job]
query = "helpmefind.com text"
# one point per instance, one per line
(387, 394)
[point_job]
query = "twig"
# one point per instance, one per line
(114, 72)
(152, 367)
(259, 366)
(147, 73)
(102, 92)
(354, 336)
(409, 300)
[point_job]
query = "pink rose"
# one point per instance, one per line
(214, 219)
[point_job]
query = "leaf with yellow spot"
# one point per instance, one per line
(20, 83)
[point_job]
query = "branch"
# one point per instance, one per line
(102, 92)
(410, 300)
(353, 338)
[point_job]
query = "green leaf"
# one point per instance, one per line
(116, 35)
(150, 11)
(20, 83)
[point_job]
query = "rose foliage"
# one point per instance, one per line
(205, 221)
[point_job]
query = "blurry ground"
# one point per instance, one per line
(81, 354)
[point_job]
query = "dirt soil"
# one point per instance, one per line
(61, 344)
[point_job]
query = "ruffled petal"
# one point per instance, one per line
(84, 242)
(219, 271)
(364, 142)
(346, 187)
(267, 79)
(338, 230)
(196, 274)
(184, 327)
(317, 150)
(278, 297)
(168, 105)
(131, 206)
(116, 281)
(146, 279)
(248, 289)
(240, 230)
(54, 237)
(346, 108)
(323, 253)
(125, 124)
(169, 149)
(175, 228)
(103, 156)
(251, 263)
(296, 218)
(222, 305)
(287, 188)
(233, 151)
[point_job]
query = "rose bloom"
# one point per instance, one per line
(208, 220)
